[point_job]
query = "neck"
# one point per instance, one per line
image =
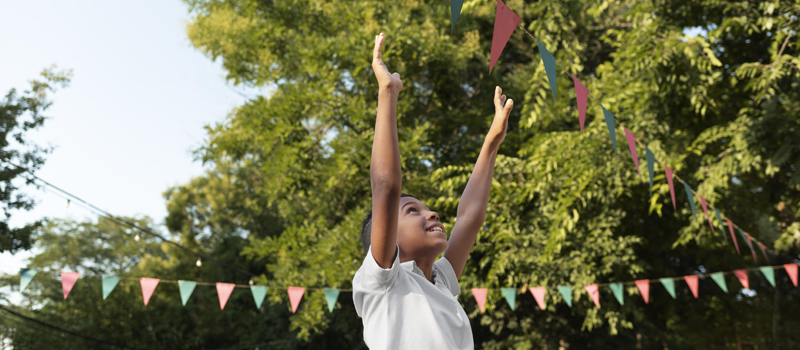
(424, 263)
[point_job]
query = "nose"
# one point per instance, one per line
(432, 215)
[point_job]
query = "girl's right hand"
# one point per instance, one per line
(388, 81)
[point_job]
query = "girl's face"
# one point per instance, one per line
(419, 232)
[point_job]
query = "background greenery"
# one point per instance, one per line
(288, 183)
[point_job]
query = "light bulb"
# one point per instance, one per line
(199, 263)
(251, 282)
(67, 203)
(137, 238)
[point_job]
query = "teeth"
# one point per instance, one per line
(437, 228)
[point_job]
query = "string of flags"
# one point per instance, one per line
(505, 23)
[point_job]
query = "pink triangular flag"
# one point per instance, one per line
(480, 297)
(644, 288)
(750, 244)
(668, 172)
(742, 276)
(692, 281)
(505, 21)
(582, 93)
(594, 293)
(68, 280)
(148, 287)
(295, 294)
(764, 251)
(705, 209)
(632, 145)
(224, 292)
(538, 294)
(735, 243)
(791, 269)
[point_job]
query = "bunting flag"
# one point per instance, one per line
(644, 289)
(148, 287)
(109, 283)
(549, 66)
(511, 296)
(455, 10)
(295, 294)
(733, 237)
(224, 291)
(581, 93)
(331, 295)
(769, 274)
(750, 244)
(693, 281)
(691, 199)
(669, 285)
(480, 297)
(566, 293)
(616, 289)
(742, 276)
(791, 269)
(651, 162)
(719, 278)
(721, 225)
(186, 288)
(505, 21)
(538, 294)
(632, 145)
(25, 277)
(764, 251)
(259, 293)
(611, 128)
(668, 173)
(594, 293)
(68, 280)
(705, 210)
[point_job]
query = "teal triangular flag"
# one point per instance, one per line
(691, 198)
(651, 161)
(612, 130)
(259, 293)
(616, 288)
(25, 277)
(769, 273)
(549, 67)
(566, 292)
(669, 284)
(455, 10)
(511, 296)
(109, 283)
(331, 295)
(187, 287)
(722, 227)
(720, 279)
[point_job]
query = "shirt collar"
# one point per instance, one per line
(411, 266)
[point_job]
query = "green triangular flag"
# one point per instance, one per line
(549, 67)
(612, 130)
(616, 288)
(109, 283)
(25, 277)
(669, 284)
(566, 292)
(511, 296)
(691, 199)
(187, 287)
(722, 227)
(720, 279)
(455, 10)
(331, 295)
(651, 161)
(259, 293)
(769, 273)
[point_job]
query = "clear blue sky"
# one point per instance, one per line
(124, 129)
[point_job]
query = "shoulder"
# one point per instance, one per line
(446, 275)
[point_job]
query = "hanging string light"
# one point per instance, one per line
(199, 263)
(68, 203)
(137, 237)
(251, 281)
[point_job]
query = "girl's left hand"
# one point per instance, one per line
(502, 109)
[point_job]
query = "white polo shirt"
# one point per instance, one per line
(401, 309)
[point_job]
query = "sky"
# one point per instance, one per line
(140, 96)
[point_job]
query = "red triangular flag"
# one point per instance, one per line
(692, 281)
(742, 276)
(750, 244)
(763, 251)
(632, 145)
(668, 172)
(505, 21)
(730, 228)
(295, 294)
(581, 92)
(594, 293)
(791, 269)
(224, 292)
(148, 287)
(538, 294)
(68, 280)
(644, 288)
(480, 297)
(705, 209)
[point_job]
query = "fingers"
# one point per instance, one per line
(508, 106)
(376, 53)
(497, 92)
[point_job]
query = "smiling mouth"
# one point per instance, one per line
(437, 229)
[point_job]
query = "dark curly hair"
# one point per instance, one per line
(366, 227)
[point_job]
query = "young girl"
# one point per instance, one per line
(405, 296)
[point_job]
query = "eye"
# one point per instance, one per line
(410, 210)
